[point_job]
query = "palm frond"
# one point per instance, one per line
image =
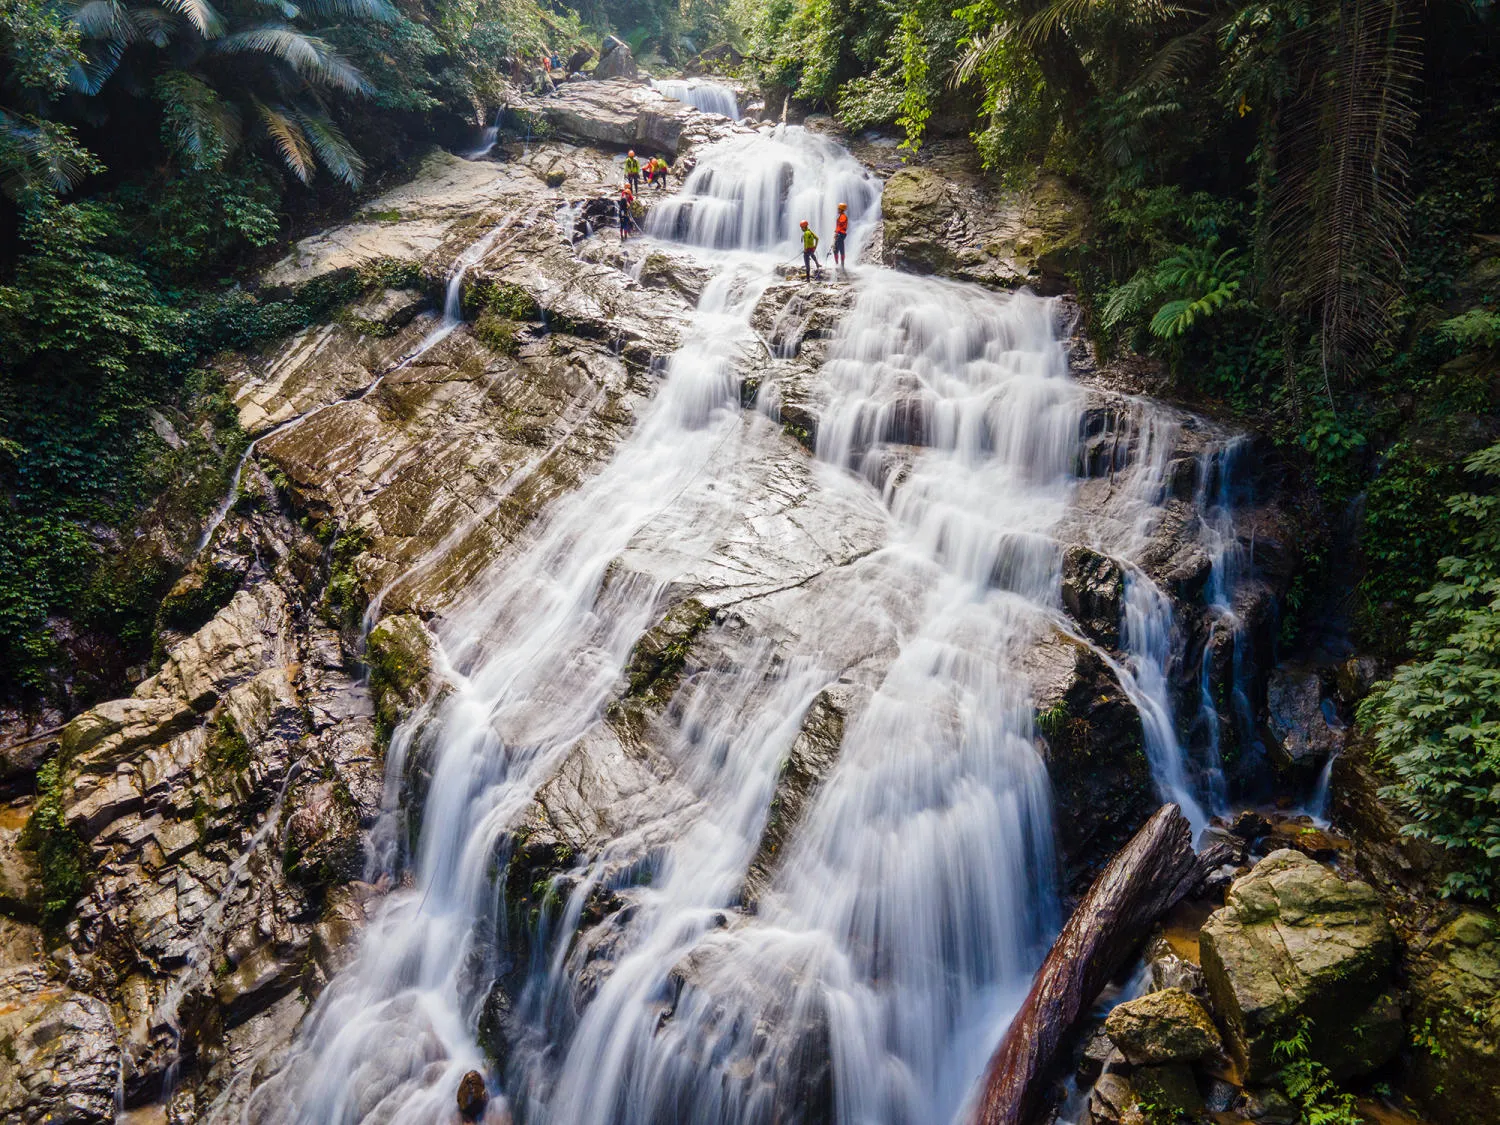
(155, 25)
(98, 67)
(308, 55)
(289, 139)
(333, 149)
(1180, 56)
(377, 11)
(199, 13)
(976, 55)
(1338, 217)
(103, 19)
(199, 124)
(40, 155)
(1055, 17)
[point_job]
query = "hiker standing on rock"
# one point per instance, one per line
(810, 251)
(633, 171)
(626, 202)
(840, 234)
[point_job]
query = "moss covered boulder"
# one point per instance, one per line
(1295, 942)
(1455, 988)
(945, 219)
(1169, 1026)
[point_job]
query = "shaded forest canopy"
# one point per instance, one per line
(1294, 210)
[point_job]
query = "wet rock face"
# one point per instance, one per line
(1294, 942)
(1455, 990)
(1092, 588)
(1298, 714)
(59, 1051)
(946, 221)
(1093, 744)
(1169, 1026)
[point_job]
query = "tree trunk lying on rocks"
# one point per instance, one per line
(1149, 876)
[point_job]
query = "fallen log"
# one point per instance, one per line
(1147, 877)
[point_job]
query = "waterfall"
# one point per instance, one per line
(750, 192)
(710, 97)
(898, 927)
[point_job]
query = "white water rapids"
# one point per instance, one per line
(902, 920)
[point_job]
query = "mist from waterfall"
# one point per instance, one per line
(892, 937)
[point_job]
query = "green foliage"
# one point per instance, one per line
(915, 109)
(344, 596)
(1477, 328)
(63, 861)
(1309, 1084)
(1195, 283)
(1404, 535)
(227, 750)
(1437, 721)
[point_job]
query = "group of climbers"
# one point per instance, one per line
(810, 243)
(655, 171)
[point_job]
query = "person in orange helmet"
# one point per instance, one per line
(840, 234)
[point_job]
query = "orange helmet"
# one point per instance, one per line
(843, 206)
(630, 153)
(804, 222)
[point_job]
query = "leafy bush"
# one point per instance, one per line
(1437, 721)
(63, 862)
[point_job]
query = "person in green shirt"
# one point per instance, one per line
(810, 251)
(633, 171)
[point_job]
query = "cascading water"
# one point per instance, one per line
(903, 918)
(710, 97)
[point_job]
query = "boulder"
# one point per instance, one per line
(617, 113)
(1455, 990)
(1169, 1026)
(948, 220)
(616, 61)
(1092, 588)
(1294, 942)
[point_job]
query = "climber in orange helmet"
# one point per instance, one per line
(840, 234)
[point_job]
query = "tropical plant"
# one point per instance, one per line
(1308, 1082)
(1195, 282)
(1437, 721)
(220, 77)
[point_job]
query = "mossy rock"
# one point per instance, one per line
(1295, 942)
(1169, 1026)
(1455, 1029)
(399, 655)
(497, 332)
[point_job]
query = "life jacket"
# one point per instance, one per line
(841, 226)
(632, 166)
(809, 239)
